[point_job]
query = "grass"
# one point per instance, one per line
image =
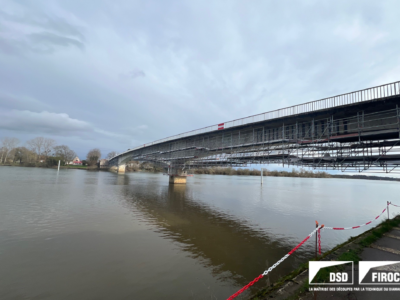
(363, 240)
(379, 232)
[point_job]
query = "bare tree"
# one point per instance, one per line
(64, 152)
(41, 145)
(8, 144)
(111, 154)
(47, 146)
(93, 156)
(36, 145)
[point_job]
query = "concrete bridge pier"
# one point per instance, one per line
(177, 176)
(121, 169)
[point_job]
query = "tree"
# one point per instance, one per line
(111, 154)
(52, 161)
(8, 144)
(23, 154)
(2, 151)
(65, 153)
(93, 156)
(36, 145)
(41, 145)
(47, 146)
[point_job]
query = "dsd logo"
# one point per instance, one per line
(327, 272)
(379, 272)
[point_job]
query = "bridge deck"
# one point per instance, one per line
(365, 120)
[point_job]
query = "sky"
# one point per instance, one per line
(118, 74)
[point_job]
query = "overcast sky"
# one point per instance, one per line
(117, 74)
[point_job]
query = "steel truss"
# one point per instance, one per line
(356, 143)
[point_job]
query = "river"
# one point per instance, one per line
(78, 234)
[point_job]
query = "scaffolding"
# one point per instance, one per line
(359, 131)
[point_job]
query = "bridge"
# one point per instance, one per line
(357, 131)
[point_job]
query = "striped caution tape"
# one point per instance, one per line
(298, 246)
(355, 227)
(319, 241)
(275, 265)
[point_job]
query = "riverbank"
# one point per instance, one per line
(302, 173)
(254, 172)
(295, 284)
(44, 166)
(148, 167)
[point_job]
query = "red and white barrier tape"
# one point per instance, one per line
(274, 266)
(355, 227)
(298, 246)
(319, 241)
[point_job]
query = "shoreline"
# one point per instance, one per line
(231, 172)
(295, 284)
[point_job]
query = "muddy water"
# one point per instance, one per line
(97, 235)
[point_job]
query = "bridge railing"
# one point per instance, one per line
(374, 93)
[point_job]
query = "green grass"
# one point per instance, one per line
(350, 255)
(354, 254)
(377, 233)
(371, 236)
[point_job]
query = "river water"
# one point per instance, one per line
(77, 234)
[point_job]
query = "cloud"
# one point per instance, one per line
(189, 67)
(132, 74)
(58, 124)
(43, 21)
(22, 30)
(21, 102)
(138, 129)
(111, 134)
(47, 42)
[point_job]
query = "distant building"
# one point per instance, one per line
(103, 163)
(76, 161)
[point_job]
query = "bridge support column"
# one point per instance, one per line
(121, 169)
(176, 179)
(177, 176)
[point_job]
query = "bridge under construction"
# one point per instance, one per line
(357, 131)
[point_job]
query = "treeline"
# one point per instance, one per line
(369, 177)
(38, 151)
(255, 172)
(135, 166)
(43, 152)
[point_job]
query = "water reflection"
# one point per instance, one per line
(221, 243)
(122, 179)
(133, 236)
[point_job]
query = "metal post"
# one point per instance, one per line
(312, 130)
(262, 175)
(388, 209)
(58, 166)
(316, 252)
(398, 118)
(316, 241)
